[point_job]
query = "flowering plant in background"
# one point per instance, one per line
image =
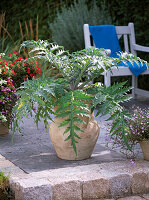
(13, 71)
(18, 68)
(137, 131)
(7, 100)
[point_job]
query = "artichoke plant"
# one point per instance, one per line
(72, 89)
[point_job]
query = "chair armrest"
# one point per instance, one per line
(140, 48)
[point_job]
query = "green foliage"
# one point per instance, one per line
(67, 28)
(5, 191)
(73, 92)
(112, 97)
(3, 178)
(124, 12)
(120, 11)
(71, 105)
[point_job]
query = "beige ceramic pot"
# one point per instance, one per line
(145, 149)
(3, 130)
(85, 145)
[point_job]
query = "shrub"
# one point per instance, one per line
(67, 28)
(7, 100)
(19, 69)
(13, 70)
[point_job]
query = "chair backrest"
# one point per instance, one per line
(125, 31)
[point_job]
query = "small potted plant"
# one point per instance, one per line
(139, 130)
(72, 97)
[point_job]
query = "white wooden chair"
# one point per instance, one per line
(125, 31)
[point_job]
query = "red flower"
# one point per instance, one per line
(39, 73)
(4, 72)
(25, 79)
(25, 64)
(28, 71)
(6, 69)
(13, 72)
(9, 65)
(19, 58)
(18, 65)
(1, 66)
(26, 75)
(29, 61)
(9, 54)
(31, 75)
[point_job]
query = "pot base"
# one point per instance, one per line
(145, 149)
(4, 130)
(85, 145)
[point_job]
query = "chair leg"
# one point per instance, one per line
(134, 86)
(107, 79)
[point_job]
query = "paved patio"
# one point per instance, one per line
(32, 155)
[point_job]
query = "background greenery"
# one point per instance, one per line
(121, 12)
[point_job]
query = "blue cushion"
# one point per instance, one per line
(105, 37)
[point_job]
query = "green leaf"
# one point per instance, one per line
(64, 123)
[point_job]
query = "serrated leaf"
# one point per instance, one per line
(64, 123)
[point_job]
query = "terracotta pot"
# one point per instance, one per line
(3, 130)
(145, 149)
(85, 145)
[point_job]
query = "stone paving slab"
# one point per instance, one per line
(37, 174)
(85, 182)
(120, 180)
(33, 151)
